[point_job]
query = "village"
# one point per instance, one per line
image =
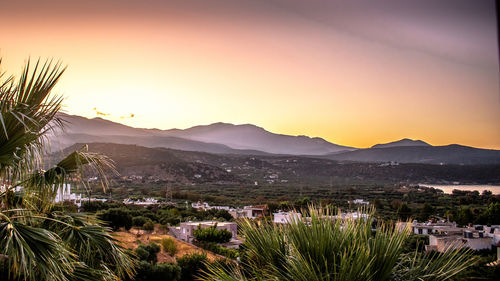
(442, 234)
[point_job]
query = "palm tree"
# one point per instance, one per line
(328, 249)
(37, 241)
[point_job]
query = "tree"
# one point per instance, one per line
(465, 216)
(38, 241)
(377, 203)
(320, 248)
(169, 246)
(492, 214)
(149, 226)
(157, 272)
(212, 234)
(139, 221)
(192, 265)
(426, 211)
(116, 218)
(148, 252)
(404, 212)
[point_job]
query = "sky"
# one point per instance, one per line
(354, 72)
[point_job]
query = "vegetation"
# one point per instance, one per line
(116, 218)
(157, 272)
(326, 249)
(169, 246)
(149, 226)
(187, 267)
(192, 265)
(148, 252)
(212, 234)
(37, 240)
(218, 249)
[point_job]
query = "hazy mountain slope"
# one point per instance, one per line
(403, 142)
(97, 126)
(252, 137)
(214, 138)
(65, 140)
(449, 154)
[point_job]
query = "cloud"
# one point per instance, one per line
(100, 113)
(128, 116)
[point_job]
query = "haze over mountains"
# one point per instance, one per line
(224, 138)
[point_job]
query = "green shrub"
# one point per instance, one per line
(218, 249)
(191, 265)
(148, 252)
(157, 272)
(148, 226)
(139, 221)
(212, 234)
(116, 218)
(169, 246)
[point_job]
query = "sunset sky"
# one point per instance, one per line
(354, 72)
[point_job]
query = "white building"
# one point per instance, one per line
(473, 240)
(359, 202)
(205, 206)
(433, 227)
(142, 202)
(63, 193)
(185, 231)
(249, 212)
(286, 217)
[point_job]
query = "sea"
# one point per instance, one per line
(495, 189)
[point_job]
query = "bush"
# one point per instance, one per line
(157, 272)
(148, 226)
(218, 249)
(148, 252)
(116, 218)
(139, 221)
(191, 265)
(169, 246)
(212, 234)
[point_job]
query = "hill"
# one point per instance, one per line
(448, 154)
(139, 165)
(256, 138)
(214, 138)
(142, 164)
(403, 142)
(247, 139)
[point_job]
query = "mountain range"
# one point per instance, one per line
(247, 139)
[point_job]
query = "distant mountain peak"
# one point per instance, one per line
(402, 142)
(215, 137)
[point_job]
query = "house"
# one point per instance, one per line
(249, 212)
(433, 227)
(286, 217)
(469, 239)
(359, 202)
(493, 232)
(205, 206)
(140, 202)
(185, 231)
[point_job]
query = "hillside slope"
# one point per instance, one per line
(448, 154)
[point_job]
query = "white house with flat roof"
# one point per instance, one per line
(286, 217)
(185, 231)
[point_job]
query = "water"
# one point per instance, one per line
(495, 189)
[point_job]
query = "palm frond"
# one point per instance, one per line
(324, 247)
(34, 253)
